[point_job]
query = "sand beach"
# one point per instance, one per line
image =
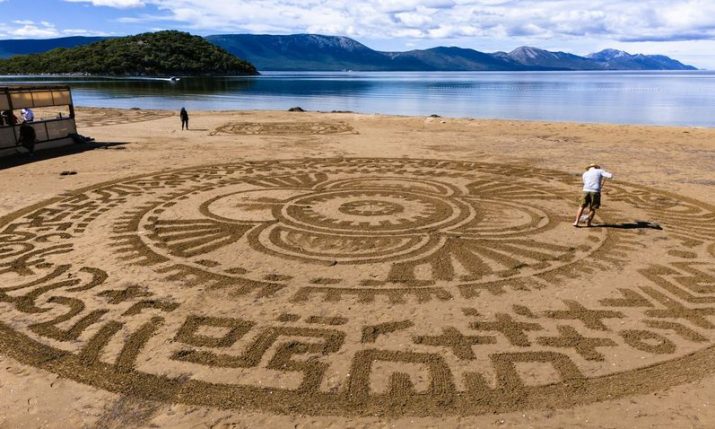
(309, 269)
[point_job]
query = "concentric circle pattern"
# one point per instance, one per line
(361, 287)
(359, 210)
(374, 207)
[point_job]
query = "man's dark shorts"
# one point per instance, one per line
(591, 200)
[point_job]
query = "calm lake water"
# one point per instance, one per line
(660, 98)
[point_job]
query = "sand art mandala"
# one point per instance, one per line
(283, 128)
(100, 117)
(360, 287)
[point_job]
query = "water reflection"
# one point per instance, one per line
(664, 98)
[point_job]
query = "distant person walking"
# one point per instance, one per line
(593, 180)
(27, 115)
(184, 115)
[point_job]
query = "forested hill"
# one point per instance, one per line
(164, 53)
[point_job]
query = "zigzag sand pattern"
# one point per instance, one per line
(78, 321)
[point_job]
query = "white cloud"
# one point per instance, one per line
(122, 4)
(417, 18)
(30, 29)
(83, 32)
(612, 19)
(27, 29)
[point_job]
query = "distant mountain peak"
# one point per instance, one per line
(528, 52)
(607, 54)
(335, 41)
(614, 59)
(535, 57)
(318, 41)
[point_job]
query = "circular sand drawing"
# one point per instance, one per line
(361, 287)
(283, 128)
(100, 117)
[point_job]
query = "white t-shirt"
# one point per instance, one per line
(592, 179)
(28, 116)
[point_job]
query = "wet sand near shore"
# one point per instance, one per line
(421, 342)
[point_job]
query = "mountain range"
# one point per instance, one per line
(313, 52)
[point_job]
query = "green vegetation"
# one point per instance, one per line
(164, 53)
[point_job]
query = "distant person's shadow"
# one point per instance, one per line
(639, 224)
(22, 157)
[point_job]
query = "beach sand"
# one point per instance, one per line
(237, 266)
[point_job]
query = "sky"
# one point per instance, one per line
(682, 29)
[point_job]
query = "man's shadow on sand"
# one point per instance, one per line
(639, 224)
(22, 157)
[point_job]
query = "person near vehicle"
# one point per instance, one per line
(8, 118)
(27, 115)
(593, 180)
(28, 138)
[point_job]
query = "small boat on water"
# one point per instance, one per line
(174, 79)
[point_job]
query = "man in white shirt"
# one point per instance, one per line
(27, 115)
(593, 180)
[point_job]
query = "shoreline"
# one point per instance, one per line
(390, 115)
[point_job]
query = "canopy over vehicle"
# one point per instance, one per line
(53, 122)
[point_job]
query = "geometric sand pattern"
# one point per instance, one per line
(283, 128)
(99, 117)
(361, 286)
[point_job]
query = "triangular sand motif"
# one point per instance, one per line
(479, 258)
(307, 180)
(193, 237)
